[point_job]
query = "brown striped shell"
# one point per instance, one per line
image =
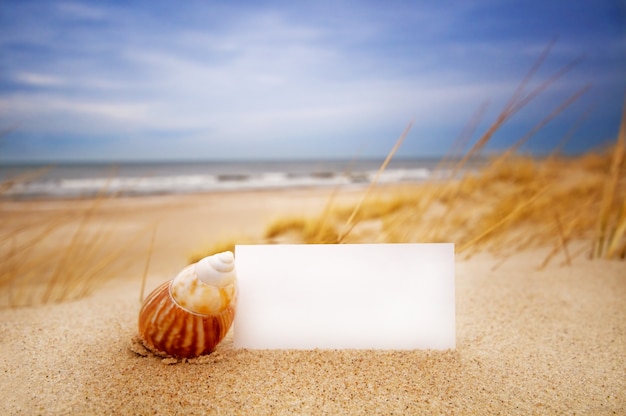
(194, 324)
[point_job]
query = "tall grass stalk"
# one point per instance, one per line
(350, 223)
(147, 265)
(561, 245)
(509, 217)
(611, 227)
(65, 270)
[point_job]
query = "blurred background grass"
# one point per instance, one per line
(575, 205)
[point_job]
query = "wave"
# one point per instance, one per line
(87, 183)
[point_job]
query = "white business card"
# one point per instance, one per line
(345, 296)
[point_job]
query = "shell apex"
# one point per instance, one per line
(217, 270)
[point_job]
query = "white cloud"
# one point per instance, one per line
(80, 10)
(39, 80)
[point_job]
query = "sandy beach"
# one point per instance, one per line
(529, 341)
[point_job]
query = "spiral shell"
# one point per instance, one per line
(189, 315)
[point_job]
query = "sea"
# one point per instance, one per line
(77, 180)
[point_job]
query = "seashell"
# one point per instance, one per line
(190, 314)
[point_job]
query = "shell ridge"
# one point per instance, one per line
(200, 339)
(164, 318)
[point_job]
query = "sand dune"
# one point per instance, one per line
(529, 341)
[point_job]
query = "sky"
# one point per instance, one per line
(165, 80)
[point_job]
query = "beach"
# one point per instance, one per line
(529, 340)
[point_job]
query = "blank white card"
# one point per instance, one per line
(360, 296)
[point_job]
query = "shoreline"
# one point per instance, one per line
(76, 181)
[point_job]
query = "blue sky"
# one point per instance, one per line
(117, 80)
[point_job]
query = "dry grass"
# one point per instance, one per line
(56, 256)
(503, 208)
(514, 202)
(612, 220)
(351, 222)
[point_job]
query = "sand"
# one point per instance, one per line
(529, 341)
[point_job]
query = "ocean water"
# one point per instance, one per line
(72, 180)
